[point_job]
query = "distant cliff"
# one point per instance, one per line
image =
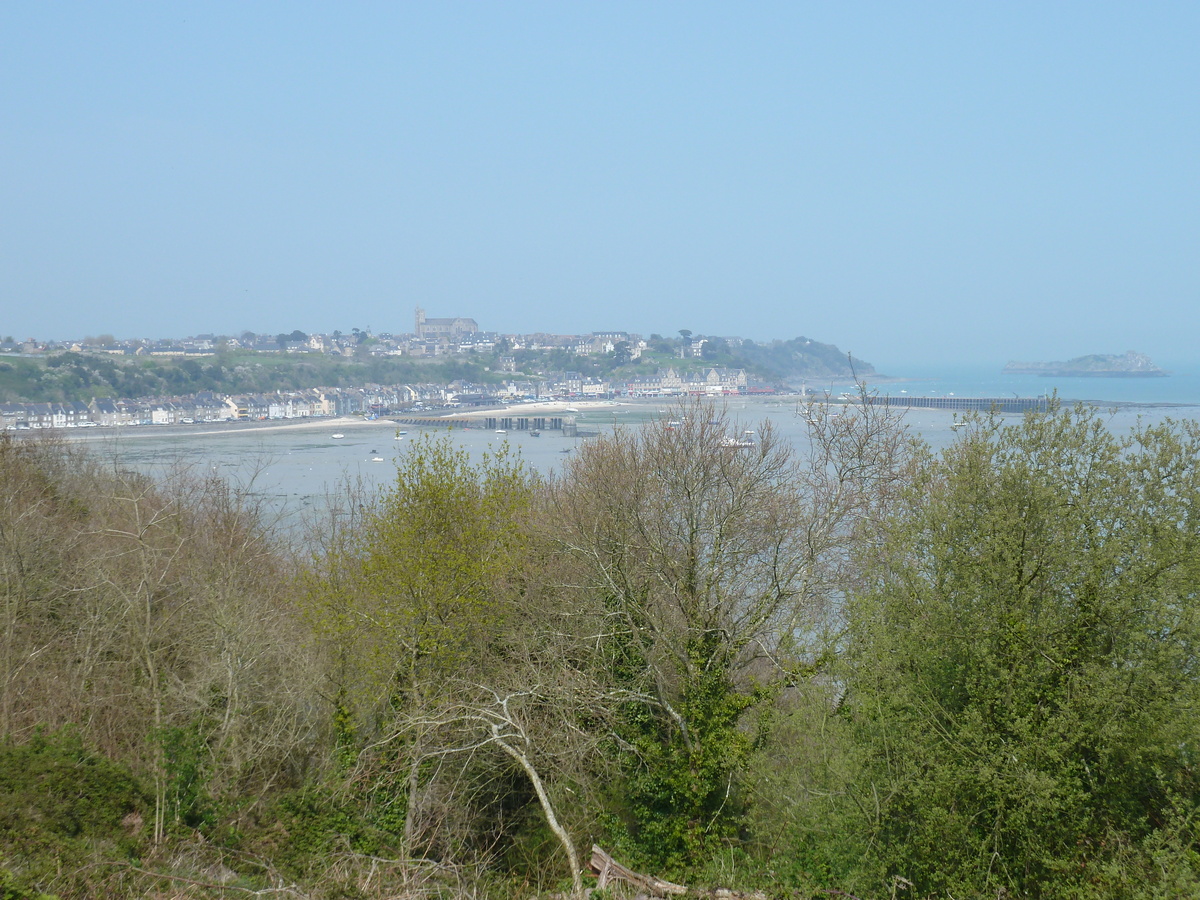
(1098, 365)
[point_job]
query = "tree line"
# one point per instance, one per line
(853, 667)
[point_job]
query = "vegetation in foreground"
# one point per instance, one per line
(853, 667)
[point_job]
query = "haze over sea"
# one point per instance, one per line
(295, 468)
(1182, 386)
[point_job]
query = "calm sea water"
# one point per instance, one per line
(1181, 387)
(295, 470)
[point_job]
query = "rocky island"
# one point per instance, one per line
(1096, 365)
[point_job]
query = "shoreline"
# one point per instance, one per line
(346, 423)
(208, 429)
(440, 418)
(547, 407)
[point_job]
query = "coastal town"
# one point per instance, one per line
(691, 372)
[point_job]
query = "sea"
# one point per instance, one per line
(297, 470)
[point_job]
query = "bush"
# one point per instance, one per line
(1023, 674)
(60, 803)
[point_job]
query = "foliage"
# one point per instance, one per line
(801, 833)
(12, 888)
(1022, 672)
(681, 796)
(801, 358)
(185, 757)
(74, 376)
(414, 587)
(709, 569)
(300, 829)
(59, 800)
(416, 604)
(148, 616)
(843, 666)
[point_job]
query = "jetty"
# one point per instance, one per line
(492, 423)
(965, 404)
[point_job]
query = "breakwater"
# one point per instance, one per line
(977, 404)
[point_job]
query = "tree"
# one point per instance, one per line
(713, 347)
(710, 569)
(424, 606)
(1022, 674)
(36, 542)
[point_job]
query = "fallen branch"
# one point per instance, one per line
(606, 869)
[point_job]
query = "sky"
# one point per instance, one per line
(914, 182)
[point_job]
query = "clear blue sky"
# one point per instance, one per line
(910, 181)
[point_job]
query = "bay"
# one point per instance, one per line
(295, 468)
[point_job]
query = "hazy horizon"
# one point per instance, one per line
(900, 367)
(944, 183)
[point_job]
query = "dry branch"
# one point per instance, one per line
(606, 869)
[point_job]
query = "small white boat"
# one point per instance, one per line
(736, 443)
(501, 431)
(338, 436)
(376, 459)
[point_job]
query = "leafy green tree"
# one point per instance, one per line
(1022, 667)
(416, 606)
(436, 554)
(713, 348)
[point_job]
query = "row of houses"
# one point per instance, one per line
(711, 380)
(44, 415)
(186, 410)
(371, 399)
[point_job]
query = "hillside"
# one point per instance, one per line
(78, 376)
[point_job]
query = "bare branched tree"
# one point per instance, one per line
(147, 610)
(711, 567)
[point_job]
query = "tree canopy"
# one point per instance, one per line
(845, 667)
(1022, 666)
